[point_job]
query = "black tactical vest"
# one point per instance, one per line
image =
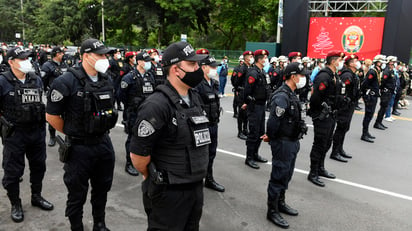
(290, 122)
(97, 114)
(140, 88)
(211, 103)
(184, 158)
(24, 105)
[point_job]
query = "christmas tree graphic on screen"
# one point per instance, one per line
(323, 42)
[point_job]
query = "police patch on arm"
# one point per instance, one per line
(145, 129)
(279, 111)
(56, 96)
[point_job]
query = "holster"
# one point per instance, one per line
(64, 149)
(7, 128)
(156, 177)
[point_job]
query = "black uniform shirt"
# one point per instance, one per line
(155, 120)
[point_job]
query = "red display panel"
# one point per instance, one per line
(362, 36)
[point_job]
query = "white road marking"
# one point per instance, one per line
(353, 184)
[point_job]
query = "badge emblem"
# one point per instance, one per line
(279, 111)
(145, 129)
(56, 96)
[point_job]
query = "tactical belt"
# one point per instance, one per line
(86, 140)
(286, 138)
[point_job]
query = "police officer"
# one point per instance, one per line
(242, 122)
(277, 78)
(285, 127)
(156, 68)
(323, 105)
(129, 63)
(116, 64)
(208, 90)
(53, 69)
(303, 92)
(273, 61)
(255, 100)
(349, 89)
(387, 88)
(136, 86)
(81, 105)
(370, 93)
(23, 130)
(170, 144)
(235, 84)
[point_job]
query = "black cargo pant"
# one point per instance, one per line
(370, 106)
(256, 119)
(173, 207)
(284, 154)
(342, 127)
(323, 130)
(213, 128)
(26, 141)
(94, 162)
(131, 116)
(385, 99)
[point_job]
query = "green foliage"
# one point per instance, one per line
(216, 24)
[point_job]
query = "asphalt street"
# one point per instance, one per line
(373, 191)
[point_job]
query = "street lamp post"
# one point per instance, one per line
(103, 35)
(22, 18)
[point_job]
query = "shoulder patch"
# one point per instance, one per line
(124, 84)
(322, 87)
(56, 96)
(234, 73)
(385, 76)
(370, 76)
(347, 82)
(145, 129)
(275, 74)
(279, 111)
(251, 79)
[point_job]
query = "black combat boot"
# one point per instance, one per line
(52, 141)
(273, 214)
(100, 226)
(379, 126)
(129, 168)
(367, 138)
(314, 177)
(259, 158)
(285, 208)
(76, 223)
(336, 156)
(241, 136)
(344, 154)
(212, 184)
(38, 201)
(17, 214)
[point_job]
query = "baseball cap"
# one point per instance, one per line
(180, 51)
(56, 50)
(210, 61)
(17, 53)
(295, 68)
(143, 56)
(93, 46)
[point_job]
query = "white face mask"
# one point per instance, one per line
(301, 83)
(251, 60)
(383, 66)
(157, 59)
(134, 61)
(147, 66)
(266, 62)
(1, 58)
(26, 66)
(299, 61)
(308, 65)
(322, 65)
(340, 66)
(395, 65)
(358, 65)
(102, 65)
(118, 56)
(285, 65)
(212, 73)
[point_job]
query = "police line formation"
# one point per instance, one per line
(171, 115)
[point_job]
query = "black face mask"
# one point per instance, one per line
(192, 79)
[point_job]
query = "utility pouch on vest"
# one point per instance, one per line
(64, 149)
(156, 176)
(7, 128)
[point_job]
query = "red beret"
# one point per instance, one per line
(261, 52)
(152, 51)
(349, 57)
(247, 53)
(202, 51)
(295, 53)
(128, 54)
(335, 54)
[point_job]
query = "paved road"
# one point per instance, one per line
(372, 191)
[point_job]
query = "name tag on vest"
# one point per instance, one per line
(202, 137)
(30, 96)
(147, 88)
(199, 119)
